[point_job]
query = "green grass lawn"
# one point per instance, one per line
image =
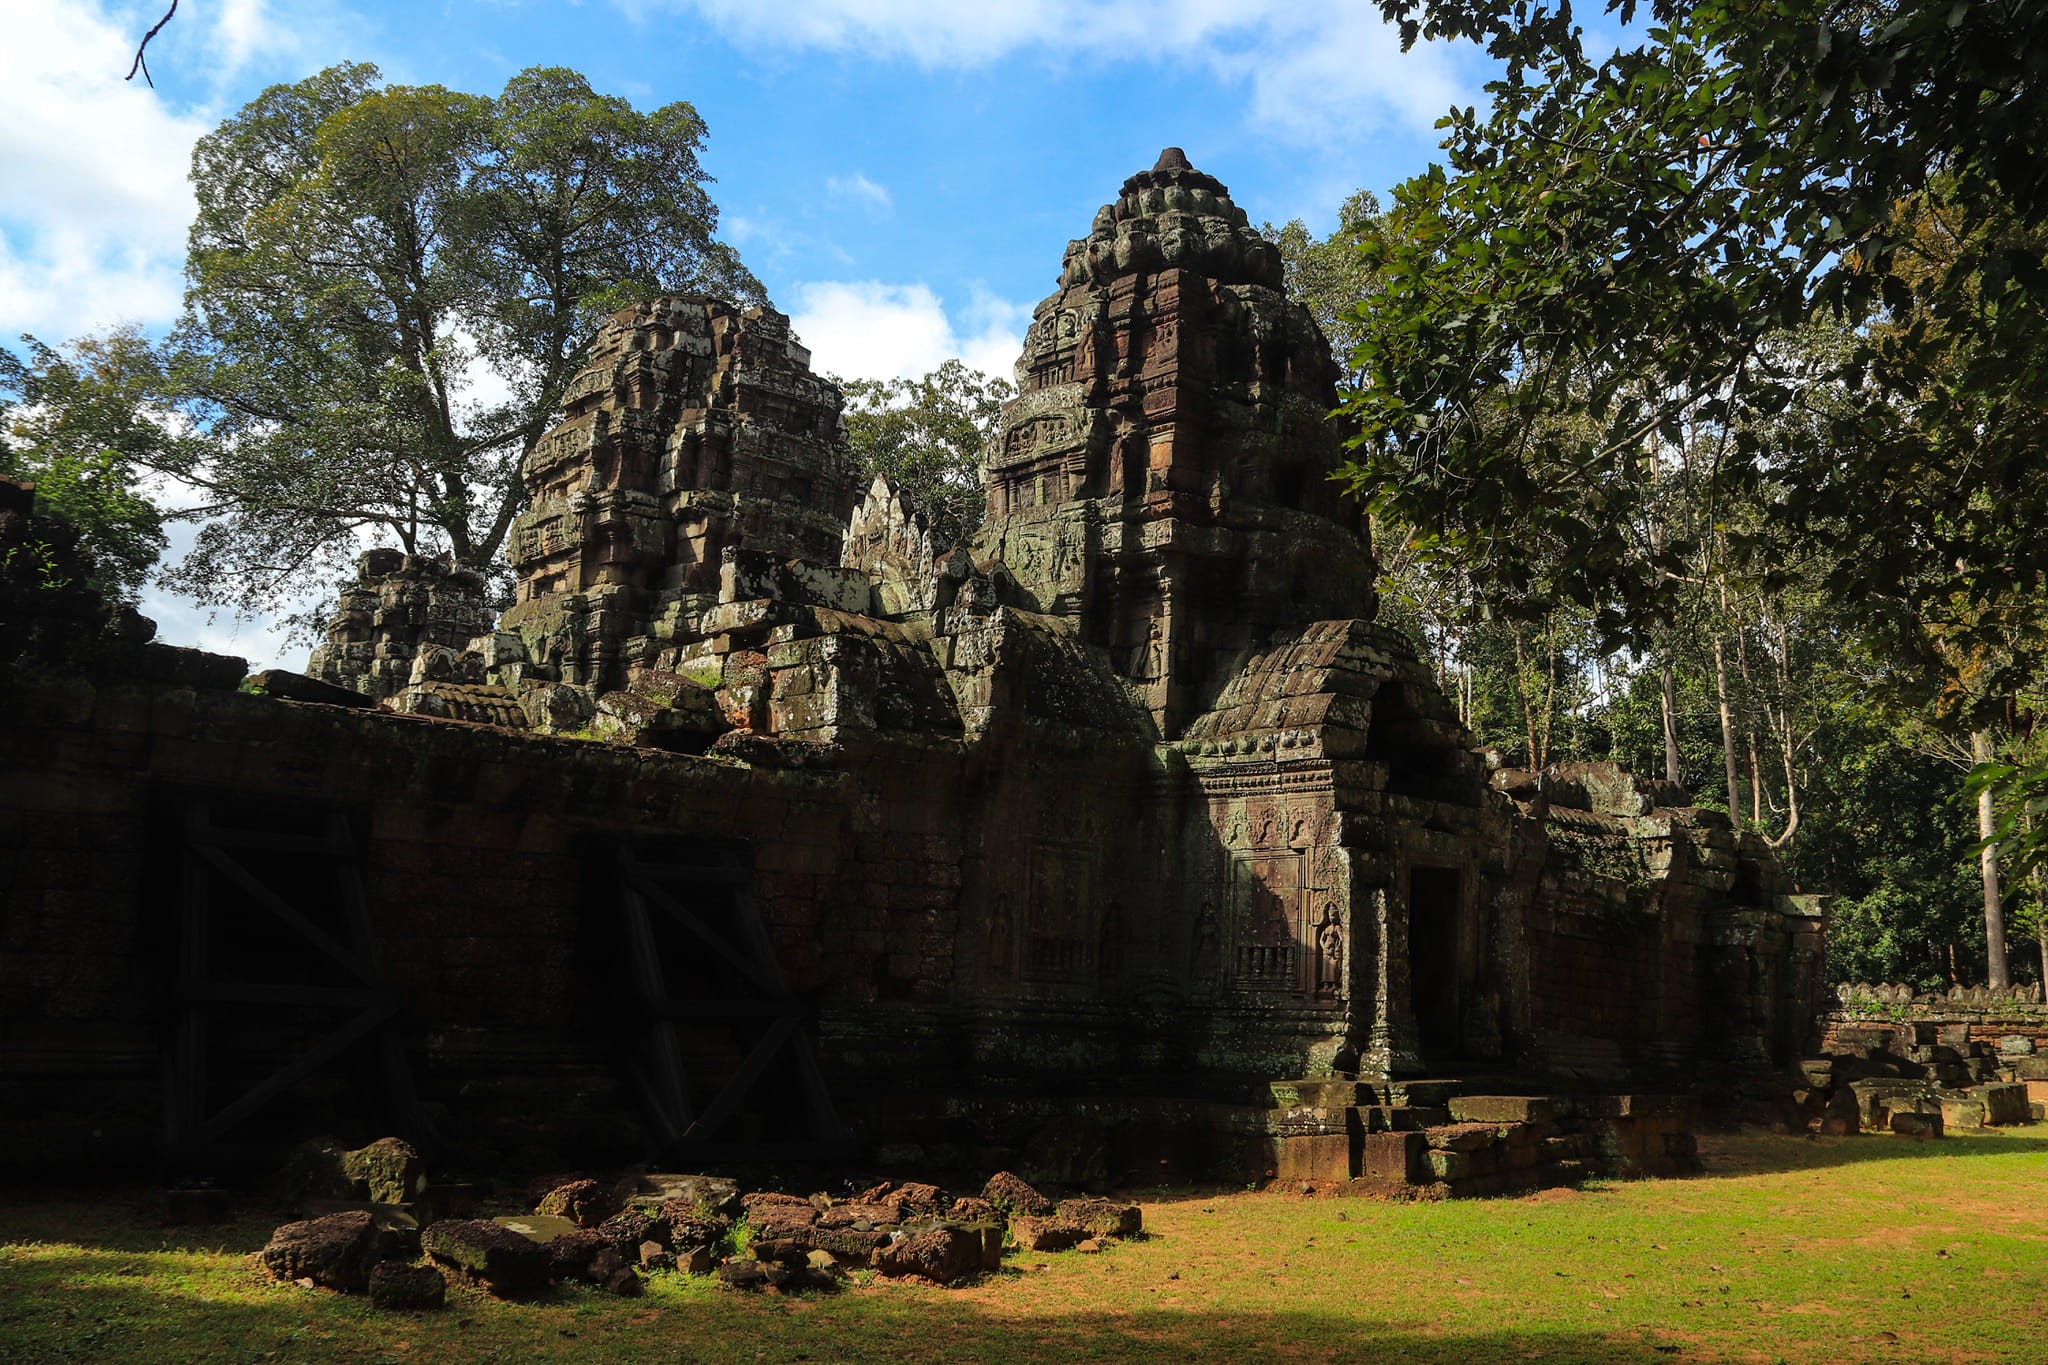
(1792, 1249)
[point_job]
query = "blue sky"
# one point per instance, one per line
(901, 174)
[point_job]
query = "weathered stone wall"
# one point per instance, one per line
(1114, 825)
(388, 624)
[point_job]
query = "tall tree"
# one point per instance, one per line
(389, 288)
(83, 424)
(1620, 248)
(1617, 243)
(930, 435)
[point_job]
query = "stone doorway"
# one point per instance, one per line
(1433, 965)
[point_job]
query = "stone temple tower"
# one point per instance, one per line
(695, 430)
(1162, 480)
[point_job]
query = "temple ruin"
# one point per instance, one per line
(762, 824)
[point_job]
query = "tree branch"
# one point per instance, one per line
(139, 64)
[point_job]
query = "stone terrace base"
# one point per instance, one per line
(1422, 1137)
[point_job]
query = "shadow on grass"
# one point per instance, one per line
(75, 1309)
(1756, 1152)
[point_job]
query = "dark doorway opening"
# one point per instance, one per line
(724, 1067)
(1433, 958)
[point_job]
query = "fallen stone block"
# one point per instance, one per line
(407, 1288)
(973, 1210)
(856, 1246)
(1843, 1117)
(708, 1196)
(743, 1274)
(944, 1255)
(917, 1201)
(625, 1231)
(2005, 1102)
(775, 1214)
(1035, 1233)
(570, 1254)
(610, 1271)
(388, 1171)
(1013, 1196)
(583, 1202)
(336, 1252)
(537, 1227)
(1102, 1217)
(1919, 1127)
(508, 1264)
(685, 1229)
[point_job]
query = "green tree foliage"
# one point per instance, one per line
(1615, 248)
(929, 435)
(389, 287)
(83, 424)
(1331, 275)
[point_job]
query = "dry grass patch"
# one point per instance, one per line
(1805, 1251)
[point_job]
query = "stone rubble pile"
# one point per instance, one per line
(1420, 1139)
(1917, 1078)
(403, 1251)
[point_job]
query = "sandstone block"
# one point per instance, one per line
(856, 1246)
(570, 1254)
(1919, 1127)
(1013, 1196)
(2003, 1103)
(625, 1231)
(1462, 1137)
(743, 1274)
(335, 1252)
(1039, 1233)
(973, 1210)
(1103, 1217)
(1843, 1117)
(407, 1288)
(944, 1254)
(388, 1171)
(1323, 1157)
(1508, 1109)
(503, 1261)
(1393, 1157)
(583, 1202)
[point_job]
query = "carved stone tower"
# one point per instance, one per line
(1162, 480)
(695, 430)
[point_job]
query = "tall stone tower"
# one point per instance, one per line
(696, 429)
(1162, 480)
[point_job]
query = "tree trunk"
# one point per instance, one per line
(1674, 769)
(1727, 733)
(1756, 780)
(1549, 690)
(1522, 693)
(1791, 790)
(1780, 717)
(1994, 903)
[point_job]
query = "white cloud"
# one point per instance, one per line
(865, 329)
(92, 230)
(92, 227)
(861, 190)
(1314, 72)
